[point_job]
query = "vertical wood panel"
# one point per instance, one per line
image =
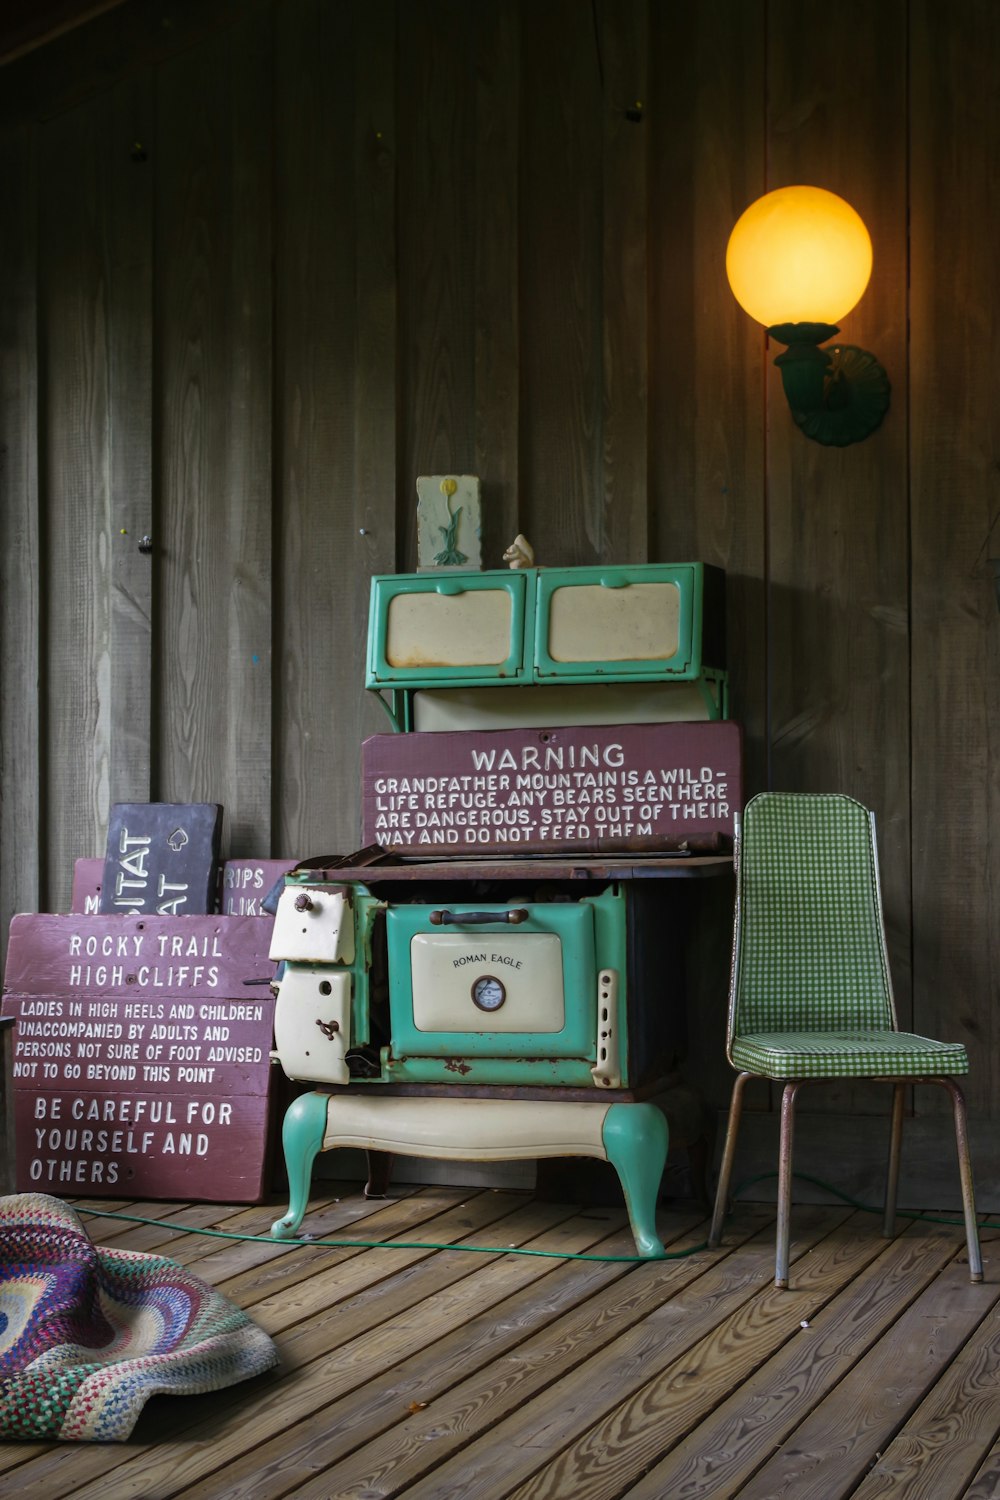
(955, 460)
(316, 326)
(838, 517)
(436, 106)
(706, 403)
(706, 434)
(20, 559)
(335, 402)
(623, 34)
(497, 285)
(376, 421)
(562, 125)
(214, 400)
(76, 524)
(838, 606)
(129, 167)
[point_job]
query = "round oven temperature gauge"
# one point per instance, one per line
(488, 993)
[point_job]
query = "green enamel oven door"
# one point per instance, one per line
(476, 1000)
(618, 623)
(447, 629)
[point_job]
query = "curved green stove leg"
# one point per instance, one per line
(635, 1138)
(302, 1137)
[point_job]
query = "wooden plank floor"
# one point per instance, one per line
(439, 1373)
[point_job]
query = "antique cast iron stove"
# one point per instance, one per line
(499, 973)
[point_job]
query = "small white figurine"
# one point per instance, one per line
(520, 553)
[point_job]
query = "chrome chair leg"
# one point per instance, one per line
(785, 1181)
(895, 1152)
(965, 1176)
(726, 1165)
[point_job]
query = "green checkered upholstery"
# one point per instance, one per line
(811, 994)
(847, 1054)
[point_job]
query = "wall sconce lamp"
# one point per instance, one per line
(798, 260)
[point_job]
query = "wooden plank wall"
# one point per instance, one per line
(266, 261)
(20, 543)
(955, 531)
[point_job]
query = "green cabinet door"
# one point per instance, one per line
(618, 623)
(449, 629)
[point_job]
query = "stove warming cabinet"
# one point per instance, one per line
(499, 974)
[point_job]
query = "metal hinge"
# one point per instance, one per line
(607, 1071)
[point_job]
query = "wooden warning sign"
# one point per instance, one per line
(248, 882)
(597, 789)
(87, 877)
(162, 858)
(245, 884)
(141, 1054)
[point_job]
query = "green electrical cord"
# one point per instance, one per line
(302, 1244)
(305, 1244)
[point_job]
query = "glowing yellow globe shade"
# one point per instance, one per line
(799, 255)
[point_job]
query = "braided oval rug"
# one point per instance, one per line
(87, 1335)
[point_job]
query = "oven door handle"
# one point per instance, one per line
(515, 917)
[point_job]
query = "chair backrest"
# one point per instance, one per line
(809, 943)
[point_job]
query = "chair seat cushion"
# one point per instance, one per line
(847, 1054)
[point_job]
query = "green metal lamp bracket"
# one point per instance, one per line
(837, 395)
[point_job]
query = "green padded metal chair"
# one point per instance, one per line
(810, 994)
